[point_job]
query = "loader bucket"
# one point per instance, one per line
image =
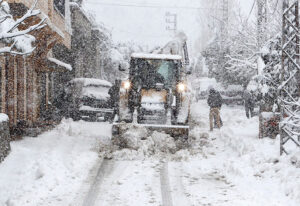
(175, 131)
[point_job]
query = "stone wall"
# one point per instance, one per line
(4, 137)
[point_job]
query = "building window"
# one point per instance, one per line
(60, 6)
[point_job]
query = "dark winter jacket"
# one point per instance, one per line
(249, 99)
(214, 99)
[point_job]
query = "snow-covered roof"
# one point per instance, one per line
(92, 82)
(3, 117)
(156, 56)
(60, 63)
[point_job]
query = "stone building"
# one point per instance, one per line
(29, 83)
(86, 42)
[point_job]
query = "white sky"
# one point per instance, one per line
(146, 26)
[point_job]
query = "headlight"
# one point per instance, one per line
(181, 87)
(126, 85)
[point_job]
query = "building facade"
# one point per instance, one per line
(29, 83)
(85, 44)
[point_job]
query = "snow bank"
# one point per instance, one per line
(50, 169)
(252, 166)
(138, 143)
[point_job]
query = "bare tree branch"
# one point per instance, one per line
(10, 34)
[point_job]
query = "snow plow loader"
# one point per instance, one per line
(155, 97)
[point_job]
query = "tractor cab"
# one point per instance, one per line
(155, 95)
(154, 88)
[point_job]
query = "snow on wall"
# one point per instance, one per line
(3, 117)
(60, 63)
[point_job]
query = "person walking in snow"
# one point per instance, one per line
(114, 93)
(249, 103)
(215, 102)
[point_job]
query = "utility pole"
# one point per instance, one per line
(225, 18)
(261, 22)
(171, 21)
(224, 34)
(290, 77)
(262, 18)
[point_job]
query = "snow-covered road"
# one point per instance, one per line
(230, 166)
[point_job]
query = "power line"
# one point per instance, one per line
(151, 6)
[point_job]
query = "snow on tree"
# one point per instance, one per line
(242, 55)
(268, 80)
(17, 41)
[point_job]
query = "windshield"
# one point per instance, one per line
(149, 73)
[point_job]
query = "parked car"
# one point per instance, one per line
(89, 99)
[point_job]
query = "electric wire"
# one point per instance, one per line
(151, 6)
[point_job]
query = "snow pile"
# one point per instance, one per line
(140, 143)
(50, 169)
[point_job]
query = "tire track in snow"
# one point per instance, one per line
(104, 169)
(181, 195)
(165, 186)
